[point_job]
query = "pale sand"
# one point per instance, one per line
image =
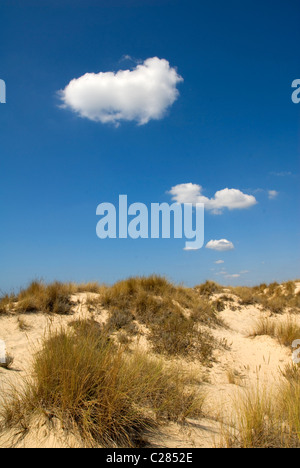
(252, 360)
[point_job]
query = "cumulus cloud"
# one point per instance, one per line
(231, 199)
(142, 94)
(272, 194)
(236, 275)
(221, 245)
(219, 262)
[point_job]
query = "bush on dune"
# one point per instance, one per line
(209, 288)
(274, 297)
(39, 297)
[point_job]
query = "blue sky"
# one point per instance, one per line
(233, 125)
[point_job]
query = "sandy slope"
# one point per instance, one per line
(249, 358)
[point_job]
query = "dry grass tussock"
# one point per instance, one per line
(110, 397)
(285, 331)
(267, 418)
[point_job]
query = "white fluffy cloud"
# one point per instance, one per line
(221, 245)
(140, 95)
(227, 198)
(219, 262)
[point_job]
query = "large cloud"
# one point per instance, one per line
(226, 198)
(141, 94)
(221, 245)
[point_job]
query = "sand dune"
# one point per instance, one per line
(240, 362)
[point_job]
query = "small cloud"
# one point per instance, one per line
(281, 174)
(221, 245)
(232, 199)
(127, 57)
(272, 194)
(244, 272)
(236, 275)
(142, 94)
(219, 262)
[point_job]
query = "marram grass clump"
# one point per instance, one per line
(96, 389)
(267, 418)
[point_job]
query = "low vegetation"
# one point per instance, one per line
(209, 288)
(53, 298)
(111, 398)
(284, 331)
(5, 303)
(274, 297)
(266, 418)
(177, 317)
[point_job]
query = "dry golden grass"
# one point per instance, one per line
(291, 373)
(92, 287)
(93, 387)
(266, 418)
(6, 302)
(53, 298)
(209, 288)
(285, 332)
(247, 296)
(274, 297)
